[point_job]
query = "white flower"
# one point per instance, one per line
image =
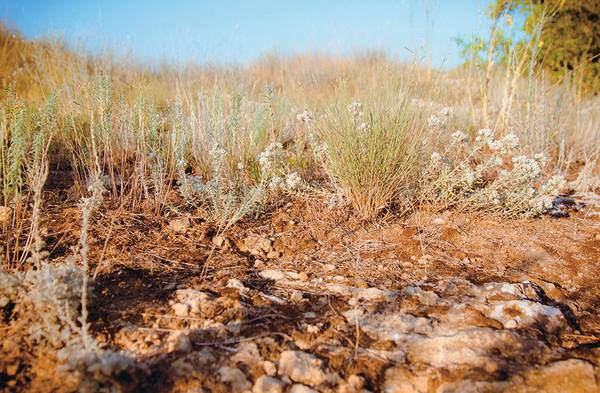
(217, 155)
(435, 122)
(505, 145)
(435, 156)
(485, 136)
(267, 158)
(364, 127)
(305, 117)
(321, 150)
(275, 183)
(355, 108)
(541, 158)
(554, 186)
(470, 176)
(526, 167)
(494, 197)
(459, 136)
(446, 111)
(293, 181)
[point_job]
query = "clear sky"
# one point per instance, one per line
(237, 31)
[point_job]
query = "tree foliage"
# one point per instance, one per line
(560, 36)
(570, 37)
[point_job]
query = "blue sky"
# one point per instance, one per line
(230, 31)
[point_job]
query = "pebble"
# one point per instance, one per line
(235, 378)
(304, 368)
(179, 225)
(438, 221)
(181, 309)
(272, 274)
(297, 388)
(296, 296)
(237, 284)
(266, 384)
(179, 342)
(270, 368)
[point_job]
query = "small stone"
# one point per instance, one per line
(247, 353)
(273, 254)
(259, 264)
(266, 384)
(256, 245)
(329, 267)
(196, 300)
(12, 369)
(400, 380)
(369, 295)
(302, 276)
(304, 368)
(178, 342)
(221, 242)
(339, 289)
(272, 274)
(179, 225)
(270, 368)
(354, 384)
(235, 378)
(170, 286)
(297, 388)
(237, 284)
(296, 296)
(438, 221)
(353, 315)
(360, 283)
(181, 309)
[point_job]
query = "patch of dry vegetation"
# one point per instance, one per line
(228, 143)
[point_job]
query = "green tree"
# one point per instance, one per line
(560, 36)
(567, 34)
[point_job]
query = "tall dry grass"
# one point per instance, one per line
(153, 128)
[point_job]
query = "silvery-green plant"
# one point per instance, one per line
(488, 175)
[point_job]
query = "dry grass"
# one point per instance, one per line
(153, 130)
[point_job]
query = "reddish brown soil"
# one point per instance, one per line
(141, 261)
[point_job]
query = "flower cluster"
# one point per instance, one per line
(479, 178)
(305, 117)
(356, 109)
(268, 159)
(274, 171)
(459, 136)
(485, 136)
(439, 120)
(505, 145)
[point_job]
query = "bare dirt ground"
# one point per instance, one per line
(309, 299)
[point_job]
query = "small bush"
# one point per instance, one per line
(371, 153)
(232, 196)
(488, 175)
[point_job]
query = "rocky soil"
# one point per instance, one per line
(440, 302)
